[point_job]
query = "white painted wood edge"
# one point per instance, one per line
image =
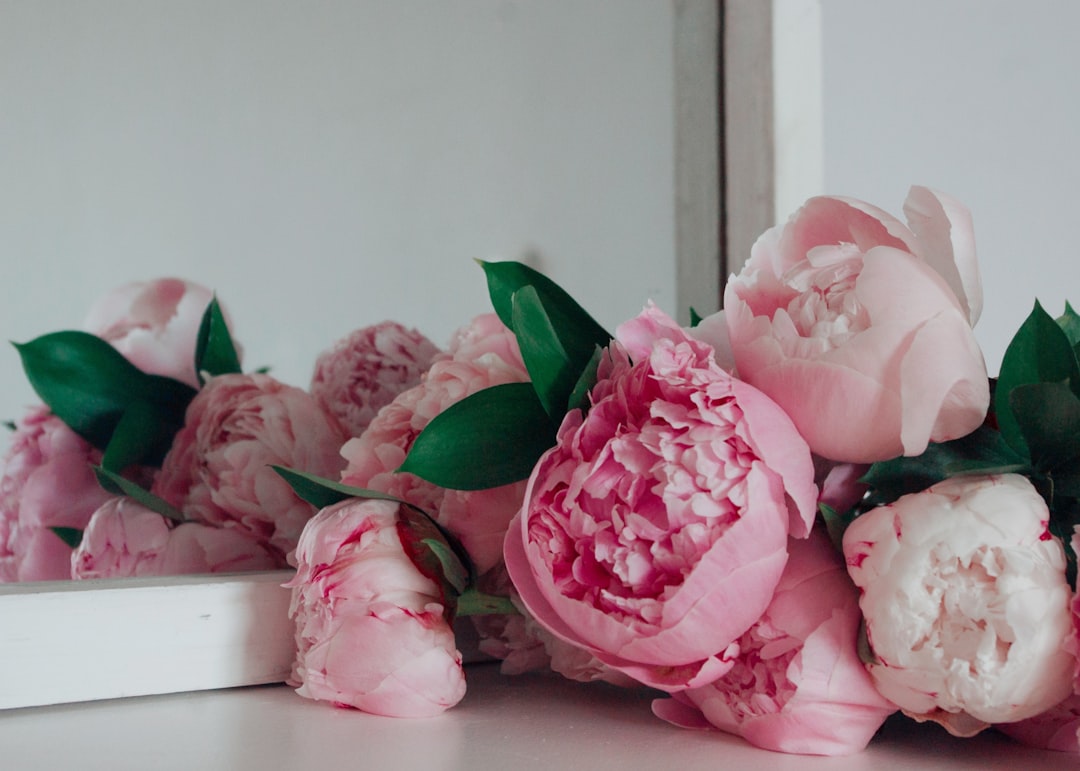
(78, 641)
(773, 154)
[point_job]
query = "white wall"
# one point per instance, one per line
(325, 165)
(978, 98)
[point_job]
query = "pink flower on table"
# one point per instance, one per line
(654, 532)
(966, 606)
(365, 370)
(478, 518)
(371, 629)
(218, 469)
(798, 684)
(125, 539)
(155, 324)
(46, 482)
(860, 327)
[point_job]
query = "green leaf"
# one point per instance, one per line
(579, 397)
(1069, 322)
(215, 353)
(491, 438)
(983, 451)
(1048, 415)
(72, 536)
(695, 318)
(453, 570)
(89, 385)
(552, 372)
(474, 603)
(118, 485)
(10, 425)
(320, 492)
(577, 331)
(1040, 352)
(143, 434)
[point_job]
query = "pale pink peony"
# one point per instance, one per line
(1058, 728)
(125, 539)
(860, 327)
(478, 518)
(155, 324)
(218, 469)
(654, 533)
(966, 606)
(47, 482)
(371, 630)
(366, 370)
(484, 337)
(798, 684)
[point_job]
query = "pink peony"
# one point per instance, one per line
(798, 684)
(1058, 728)
(364, 371)
(485, 337)
(218, 469)
(654, 532)
(371, 630)
(478, 518)
(47, 482)
(126, 539)
(966, 606)
(154, 324)
(860, 327)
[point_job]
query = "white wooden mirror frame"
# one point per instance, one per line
(747, 149)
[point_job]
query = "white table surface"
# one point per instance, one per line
(518, 723)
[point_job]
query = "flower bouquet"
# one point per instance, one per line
(789, 520)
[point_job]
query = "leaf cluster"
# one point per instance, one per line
(128, 414)
(495, 436)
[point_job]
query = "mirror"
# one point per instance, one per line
(326, 166)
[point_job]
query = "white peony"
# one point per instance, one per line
(966, 605)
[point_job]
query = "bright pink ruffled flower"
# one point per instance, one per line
(367, 369)
(798, 684)
(371, 630)
(218, 469)
(860, 327)
(966, 606)
(477, 518)
(125, 539)
(155, 324)
(47, 482)
(655, 531)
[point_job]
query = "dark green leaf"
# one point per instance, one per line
(320, 492)
(579, 397)
(89, 385)
(72, 536)
(552, 373)
(118, 485)
(10, 425)
(1040, 352)
(435, 552)
(215, 353)
(695, 318)
(143, 434)
(1048, 415)
(576, 330)
(491, 438)
(1069, 322)
(982, 451)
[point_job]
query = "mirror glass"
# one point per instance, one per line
(324, 166)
